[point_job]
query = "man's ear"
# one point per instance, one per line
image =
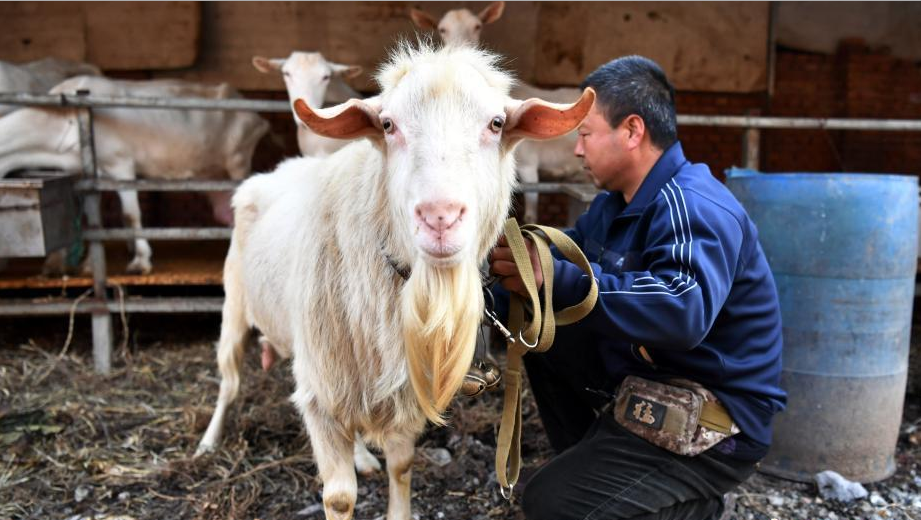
(267, 65)
(350, 120)
(636, 129)
(539, 119)
(422, 19)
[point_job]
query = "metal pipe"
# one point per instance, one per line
(750, 148)
(159, 234)
(101, 308)
(102, 322)
(58, 306)
(801, 123)
(71, 100)
(228, 185)
(569, 188)
(155, 185)
(773, 11)
(19, 98)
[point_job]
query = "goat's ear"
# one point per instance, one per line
(267, 65)
(491, 12)
(350, 120)
(345, 71)
(422, 19)
(538, 119)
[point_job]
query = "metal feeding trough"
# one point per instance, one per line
(37, 213)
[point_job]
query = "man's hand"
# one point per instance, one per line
(502, 264)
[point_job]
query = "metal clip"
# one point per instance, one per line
(491, 316)
(525, 342)
(508, 497)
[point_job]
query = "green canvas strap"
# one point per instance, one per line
(535, 325)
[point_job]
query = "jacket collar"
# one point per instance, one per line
(665, 168)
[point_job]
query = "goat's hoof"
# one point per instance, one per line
(338, 509)
(203, 449)
(54, 266)
(139, 266)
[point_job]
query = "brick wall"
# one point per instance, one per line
(852, 83)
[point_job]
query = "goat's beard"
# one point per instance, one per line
(442, 308)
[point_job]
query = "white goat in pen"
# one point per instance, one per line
(458, 26)
(132, 142)
(311, 77)
(319, 246)
(554, 157)
(308, 76)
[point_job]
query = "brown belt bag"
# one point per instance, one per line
(680, 416)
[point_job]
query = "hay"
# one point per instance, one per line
(77, 444)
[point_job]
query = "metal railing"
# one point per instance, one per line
(100, 306)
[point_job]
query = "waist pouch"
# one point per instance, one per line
(680, 416)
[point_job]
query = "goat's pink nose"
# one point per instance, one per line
(440, 215)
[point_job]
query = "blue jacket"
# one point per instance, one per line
(681, 272)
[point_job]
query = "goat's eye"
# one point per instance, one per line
(478, 27)
(442, 30)
(496, 124)
(326, 77)
(387, 125)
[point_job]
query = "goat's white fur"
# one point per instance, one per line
(311, 77)
(370, 353)
(553, 157)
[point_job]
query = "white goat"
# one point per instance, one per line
(37, 77)
(319, 245)
(458, 26)
(554, 157)
(307, 76)
(311, 77)
(130, 142)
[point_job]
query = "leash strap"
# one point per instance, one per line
(535, 325)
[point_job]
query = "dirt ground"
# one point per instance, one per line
(74, 445)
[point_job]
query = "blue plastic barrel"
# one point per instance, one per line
(843, 249)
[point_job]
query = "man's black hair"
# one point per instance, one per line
(637, 85)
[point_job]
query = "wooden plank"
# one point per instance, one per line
(34, 30)
(111, 35)
(189, 263)
(234, 32)
(513, 35)
(820, 26)
(142, 35)
(703, 46)
(362, 33)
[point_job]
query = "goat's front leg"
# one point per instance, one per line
(527, 169)
(131, 213)
(399, 450)
(123, 169)
(333, 453)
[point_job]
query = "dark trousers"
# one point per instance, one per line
(602, 470)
